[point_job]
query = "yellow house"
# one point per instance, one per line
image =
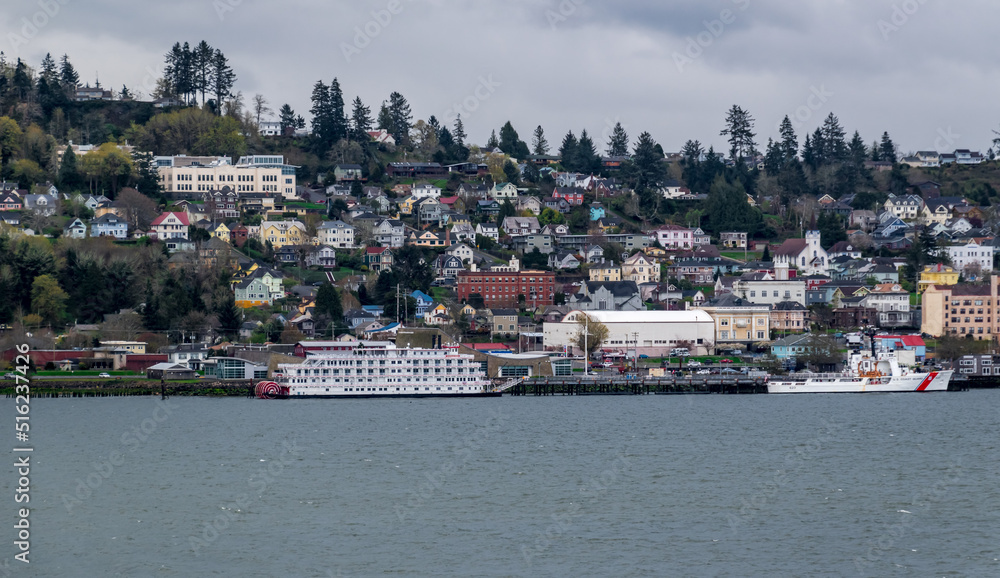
(467, 310)
(640, 269)
(221, 232)
(738, 321)
(406, 205)
(937, 275)
(281, 233)
(605, 272)
(136, 347)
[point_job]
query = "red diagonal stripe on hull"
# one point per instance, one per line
(927, 381)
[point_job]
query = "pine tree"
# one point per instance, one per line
(511, 143)
(789, 142)
(202, 63)
(361, 120)
(459, 132)
(856, 150)
(887, 149)
(384, 118)
(69, 176)
(322, 117)
(739, 129)
(567, 151)
(773, 158)
(222, 78)
(67, 74)
(618, 143)
(338, 118)
(539, 144)
(835, 149)
(399, 112)
(587, 159)
(286, 118)
(493, 142)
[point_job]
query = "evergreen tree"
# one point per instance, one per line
(229, 315)
(887, 149)
(875, 152)
(202, 64)
(766, 255)
(69, 175)
(539, 145)
(322, 117)
(835, 149)
(21, 83)
(361, 120)
(567, 151)
(493, 142)
(856, 150)
(67, 74)
(399, 112)
(648, 170)
(587, 159)
(789, 142)
(459, 132)
(739, 129)
(338, 118)
(727, 208)
(222, 78)
(147, 177)
(286, 118)
(384, 118)
(511, 172)
(773, 158)
(511, 143)
(618, 143)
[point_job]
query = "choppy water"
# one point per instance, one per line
(818, 485)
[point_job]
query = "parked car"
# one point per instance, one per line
(728, 370)
(694, 363)
(607, 363)
(103, 374)
(702, 372)
(10, 375)
(727, 360)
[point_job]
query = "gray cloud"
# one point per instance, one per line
(915, 68)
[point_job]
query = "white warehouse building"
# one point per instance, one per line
(657, 332)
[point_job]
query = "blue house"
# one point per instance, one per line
(109, 225)
(790, 347)
(424, 301)
(597, 212)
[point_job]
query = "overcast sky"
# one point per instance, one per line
(921, 69)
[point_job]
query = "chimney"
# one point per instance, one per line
(781, 271)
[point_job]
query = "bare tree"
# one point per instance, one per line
(260, 107)
(139, 209)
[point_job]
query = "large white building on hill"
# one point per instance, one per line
(655, 332)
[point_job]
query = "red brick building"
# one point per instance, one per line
(500, 289)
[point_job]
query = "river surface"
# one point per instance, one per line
(756, 485)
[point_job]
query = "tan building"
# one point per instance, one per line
(962, 310)
(640, 269)
(183, 175)
(605, 272)
(738, 322)
(789, 317)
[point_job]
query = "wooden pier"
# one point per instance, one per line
(636, 386)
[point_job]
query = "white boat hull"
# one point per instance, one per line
(933, 381)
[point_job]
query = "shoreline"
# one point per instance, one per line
(132, 387)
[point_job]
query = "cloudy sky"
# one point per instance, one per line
(921, 69)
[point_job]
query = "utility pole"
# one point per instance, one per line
(586, 350)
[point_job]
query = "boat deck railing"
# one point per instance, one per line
(807, 376)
